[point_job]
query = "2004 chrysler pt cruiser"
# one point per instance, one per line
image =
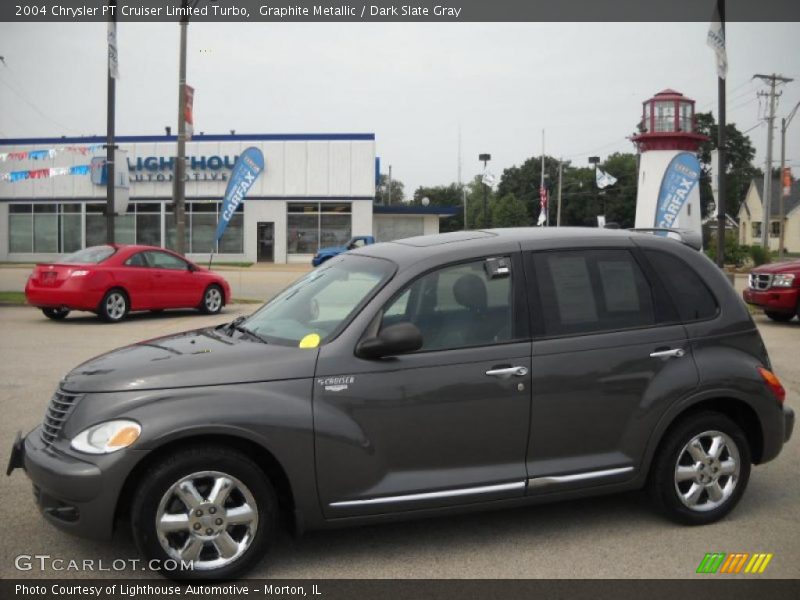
(463, 371)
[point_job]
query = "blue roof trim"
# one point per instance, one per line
(238, 137)
(447, 211)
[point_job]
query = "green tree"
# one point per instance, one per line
(444, 195)
(739, 169)
(618, 202)
(509, 211)
(382, 194)
(475, 212)
(523, 182)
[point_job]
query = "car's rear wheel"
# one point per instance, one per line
(209, 505)
(701, 469)
(55, 313)
(212, 300)
(114, 306)
(781, 317)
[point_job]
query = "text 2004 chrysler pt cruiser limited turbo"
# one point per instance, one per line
(467, 370)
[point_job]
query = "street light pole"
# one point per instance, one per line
(110, 142)
(485, 158)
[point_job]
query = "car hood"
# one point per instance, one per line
(195, 358)
(791, 266)
(332, 250)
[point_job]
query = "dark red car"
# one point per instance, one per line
(113, 280)
(776, 289)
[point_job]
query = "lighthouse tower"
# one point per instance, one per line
(668, 195)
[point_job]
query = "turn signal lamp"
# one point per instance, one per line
(773, 383)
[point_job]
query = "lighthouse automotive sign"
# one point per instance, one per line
(679, 180)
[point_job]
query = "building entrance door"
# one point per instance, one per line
(266, 242)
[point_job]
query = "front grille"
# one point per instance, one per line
(760, 281)
(61, 404)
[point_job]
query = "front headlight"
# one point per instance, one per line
(783, 280)
(107, 437)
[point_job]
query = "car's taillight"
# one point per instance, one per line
(773, 383)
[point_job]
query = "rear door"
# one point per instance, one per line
(608, 357)
(443, 426)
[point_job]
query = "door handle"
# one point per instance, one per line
(670, 353)
(505, 372)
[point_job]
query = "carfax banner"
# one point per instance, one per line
(245, 171)
(679, 180)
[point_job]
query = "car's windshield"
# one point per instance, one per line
(89, 256)
(314, 307)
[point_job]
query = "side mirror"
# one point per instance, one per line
(191, 268)
(395, 339)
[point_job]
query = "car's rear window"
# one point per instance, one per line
(89, 256)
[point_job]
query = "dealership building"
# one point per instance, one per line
(316, 190)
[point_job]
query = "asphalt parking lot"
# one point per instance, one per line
(614, 537)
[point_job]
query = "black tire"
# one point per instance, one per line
(664, 488)
(114, 306)
(213, 300)
(156, 483)
(780, 317)
(56, 314)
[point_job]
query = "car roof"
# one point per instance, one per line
(410, 250)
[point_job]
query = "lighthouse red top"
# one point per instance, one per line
(668, 124)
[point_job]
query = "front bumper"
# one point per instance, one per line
(777, 299)
(72, 494)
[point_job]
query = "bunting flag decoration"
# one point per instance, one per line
(50, 153)
(44, 173)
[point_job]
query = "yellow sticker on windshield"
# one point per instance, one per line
(310, 341)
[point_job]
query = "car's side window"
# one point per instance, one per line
(137, 260)
(162, 260)
(586, 291)
(458, 306)
(691, 296)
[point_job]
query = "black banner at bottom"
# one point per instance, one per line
(705, 587)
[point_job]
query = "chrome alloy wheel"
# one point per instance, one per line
(116, 305)
(213, 299)
(707, 471)
(209, 518)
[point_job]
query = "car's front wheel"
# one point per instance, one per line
(701, 469)
(212, 300)
(204, 513)
(779, 316)
(55, 313)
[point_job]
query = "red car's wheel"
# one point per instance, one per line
(114, 306)
(212, 300)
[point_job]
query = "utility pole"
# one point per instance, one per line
(541, 187)
(110, 119)
(460, 184)
(179, 171)
(389, 187)
(782, 212)
(485, 158)
(558, 199)
(766, 201)
(722, 208)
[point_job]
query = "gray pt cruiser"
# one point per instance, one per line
(464, 371)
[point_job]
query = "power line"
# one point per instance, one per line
(34, 107)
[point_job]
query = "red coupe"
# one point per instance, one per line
(115, 279)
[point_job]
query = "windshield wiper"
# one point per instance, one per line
(236, 325)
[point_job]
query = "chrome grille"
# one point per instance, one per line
(760, 281)
(57, 412)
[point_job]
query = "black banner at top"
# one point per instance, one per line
(436, 11)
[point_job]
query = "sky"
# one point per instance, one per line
(414, 85)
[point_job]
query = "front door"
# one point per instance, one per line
(443, 426)
(608, 358)
(265, 235)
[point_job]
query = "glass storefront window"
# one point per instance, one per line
(71, 232)
(232, 241)
(20, 231)
(204, 226)
(311, 226)
(45, 230)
